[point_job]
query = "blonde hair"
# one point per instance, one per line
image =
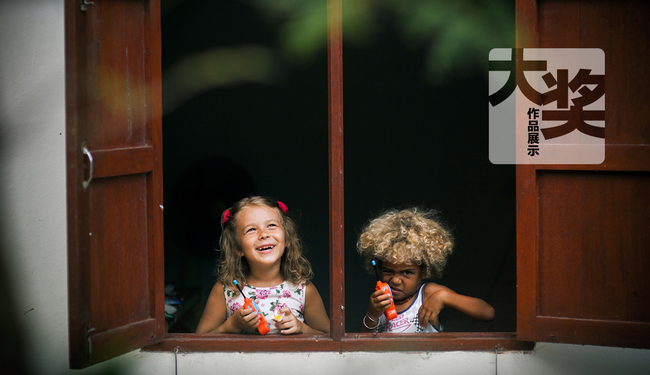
(232, 266)
(412, 235)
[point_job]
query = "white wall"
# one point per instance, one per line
(33, 241)
(32, 173)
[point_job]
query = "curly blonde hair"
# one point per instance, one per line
(232, 266)
(411, 235)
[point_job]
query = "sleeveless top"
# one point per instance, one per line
(407, 320)
(269, 300)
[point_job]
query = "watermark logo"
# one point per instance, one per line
(546, 106)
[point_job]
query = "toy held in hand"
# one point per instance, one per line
(262, 328)
(412, 245)
(391, 313)
(259, 238)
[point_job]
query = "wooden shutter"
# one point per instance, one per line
(583, 247)
(115, 239)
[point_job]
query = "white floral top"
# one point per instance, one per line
(269, 300)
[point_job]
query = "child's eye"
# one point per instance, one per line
(249, 230)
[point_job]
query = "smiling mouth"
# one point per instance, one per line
(265, 248)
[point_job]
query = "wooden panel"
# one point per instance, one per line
(119, 162)
(117, 85)
(115, 252)
(584, 267)
(559, 25)
(593, 332)
(583, 231)
(626, 45)
(118, 232)
(619, 28)
(637, 263)
(120, 340)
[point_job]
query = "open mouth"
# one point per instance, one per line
(265, 248)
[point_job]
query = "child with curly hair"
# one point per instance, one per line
(410, 247)
(260, 248)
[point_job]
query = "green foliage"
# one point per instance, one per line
(457, 35)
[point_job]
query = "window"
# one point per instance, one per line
(397, 125)
(115, 226)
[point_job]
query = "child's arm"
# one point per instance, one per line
(316, 319)
(214, 319)
(437, 297)
(379, 302)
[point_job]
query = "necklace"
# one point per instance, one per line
(404, 300)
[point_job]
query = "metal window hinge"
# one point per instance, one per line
(84, 4)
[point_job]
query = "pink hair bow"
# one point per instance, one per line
(225, 217)
(283, 207)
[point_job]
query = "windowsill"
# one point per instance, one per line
(351, 342)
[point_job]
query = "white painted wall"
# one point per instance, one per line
(33, 241)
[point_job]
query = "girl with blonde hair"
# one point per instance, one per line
(260, 249)
(410, 247)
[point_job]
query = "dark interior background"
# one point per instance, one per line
(409, 140)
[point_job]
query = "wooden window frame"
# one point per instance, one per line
(86, 347)
(338, 340)
(628, 156)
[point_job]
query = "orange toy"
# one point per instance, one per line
(263, 328)
(391, 313)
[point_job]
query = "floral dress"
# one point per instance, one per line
(270, 301)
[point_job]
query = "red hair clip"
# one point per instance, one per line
(283, 207)
(225, 217)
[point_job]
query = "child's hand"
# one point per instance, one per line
(379, 302)
(289, 324)
(245, 319)
(431, 307)
(442, 297)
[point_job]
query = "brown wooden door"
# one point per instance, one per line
(583, 244)
(115, 250)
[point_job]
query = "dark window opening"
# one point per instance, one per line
(408, 141)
